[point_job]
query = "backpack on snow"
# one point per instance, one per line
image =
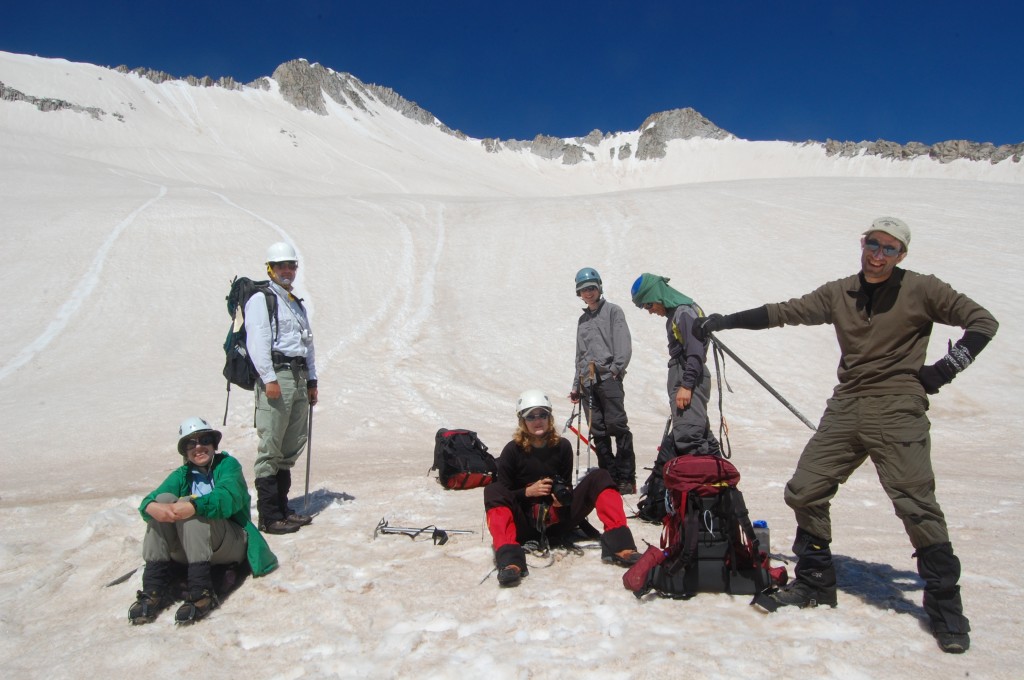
(238, 367)
(708, 543)
(462, 460)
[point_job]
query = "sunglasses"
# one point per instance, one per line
(537, 415)
(588, 289)
(648, 306)
(202, 440)
(874, 246)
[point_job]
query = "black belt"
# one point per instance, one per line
(282, 361)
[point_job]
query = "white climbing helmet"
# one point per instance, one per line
(281, 252)
(192, 425)
(531, 399)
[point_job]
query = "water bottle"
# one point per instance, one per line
(763, 537)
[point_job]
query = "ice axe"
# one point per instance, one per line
(759, 379)
(440, 536)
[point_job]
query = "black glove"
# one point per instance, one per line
(703, 327)
(943, 371)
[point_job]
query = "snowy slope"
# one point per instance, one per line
(440, 281)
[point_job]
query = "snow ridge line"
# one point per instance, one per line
(79, 293)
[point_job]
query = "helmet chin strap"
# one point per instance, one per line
(284, 283)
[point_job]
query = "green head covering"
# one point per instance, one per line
(654, 288)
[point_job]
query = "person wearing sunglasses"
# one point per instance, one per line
(533, 499)
(883, 318)
(283, 354)
(197, 519)
(603, 350)
(688, 384)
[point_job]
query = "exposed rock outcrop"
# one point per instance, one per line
(943, 152)
(660, 128)
(303, 85)
(47, 104)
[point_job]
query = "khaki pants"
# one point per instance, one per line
(281, 424)
(893, 431)
(196, 539)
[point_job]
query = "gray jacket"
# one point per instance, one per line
(602, 337)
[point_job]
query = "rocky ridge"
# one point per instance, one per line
(303, 85)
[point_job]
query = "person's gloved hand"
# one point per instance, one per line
(704, 326)
(945, 369)
(936, 376)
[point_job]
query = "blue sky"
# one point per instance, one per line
(902, 70)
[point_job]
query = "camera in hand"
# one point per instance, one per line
(561, 490)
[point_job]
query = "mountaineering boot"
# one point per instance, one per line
(618, 547)
(809, 589)
(196, 606)
(201, 599)
(147, 607)
(284, 485)
(940, 569)
(154, 596)
(626, 487)
(272, 521)
(510, 576)
(511, 562)
(815, 582)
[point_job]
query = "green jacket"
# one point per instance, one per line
(228, 500)
(882, 350)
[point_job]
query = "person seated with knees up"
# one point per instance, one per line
(198, 516)
(533, 497)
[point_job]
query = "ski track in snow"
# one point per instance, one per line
(79, 292)
(285, 236)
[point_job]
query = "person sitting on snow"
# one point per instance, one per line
(198, 516)
(532, 497)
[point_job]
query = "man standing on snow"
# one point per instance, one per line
(689, 383)
(883, 318)
(603, 350)
(281, 349)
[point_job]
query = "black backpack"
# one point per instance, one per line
(238, 368)
(462, 460)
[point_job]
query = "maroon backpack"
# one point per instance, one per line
(708, 543)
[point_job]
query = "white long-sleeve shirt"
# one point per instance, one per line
(294, 335)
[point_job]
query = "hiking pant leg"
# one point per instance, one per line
(584, 495)
(691, 429)
(298, 425)
(161, 542)
(613, 404)
(896, 434)
(497, 497)
(281, 425)
(828, 460)
(218, 541)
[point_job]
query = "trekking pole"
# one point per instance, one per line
(226, 400)
(568, 426)
(590, 410)
(755, 376)
(309, 454)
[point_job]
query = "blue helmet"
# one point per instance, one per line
(588, 276)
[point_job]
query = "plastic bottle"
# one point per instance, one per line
(763, 535)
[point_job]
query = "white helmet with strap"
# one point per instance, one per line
(531, 399)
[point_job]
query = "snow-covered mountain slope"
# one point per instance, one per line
(440, 282)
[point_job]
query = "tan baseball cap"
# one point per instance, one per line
(893, 226)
